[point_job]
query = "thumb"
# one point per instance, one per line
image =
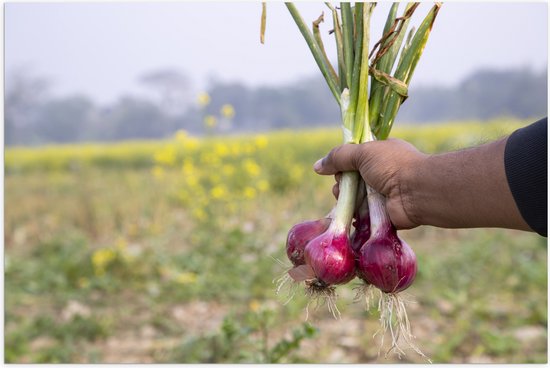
(346, 157)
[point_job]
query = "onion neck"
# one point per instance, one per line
(345, 206)
(379, 219)
(343, 212)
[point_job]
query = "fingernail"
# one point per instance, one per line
(317, 166)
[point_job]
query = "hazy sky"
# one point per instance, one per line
(102, 48)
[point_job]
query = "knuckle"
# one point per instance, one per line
(361, 158)
(358, 156)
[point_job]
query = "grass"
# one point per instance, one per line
(114, 255)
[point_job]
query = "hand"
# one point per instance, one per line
(382, 165)
(460, 189)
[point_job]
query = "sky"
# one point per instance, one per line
(101, 49)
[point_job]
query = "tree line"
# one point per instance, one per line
(33, 116)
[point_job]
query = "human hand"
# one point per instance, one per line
(384, 166)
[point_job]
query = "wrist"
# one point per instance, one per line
(408, 188)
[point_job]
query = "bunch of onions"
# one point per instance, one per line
(373, 252)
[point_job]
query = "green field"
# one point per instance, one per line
(166, 252)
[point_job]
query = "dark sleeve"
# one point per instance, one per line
(526, 164)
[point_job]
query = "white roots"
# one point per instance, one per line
(319, 293)
(393, 320)
(366, 292)
(287, 286)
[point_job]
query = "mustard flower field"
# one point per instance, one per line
(167, 251)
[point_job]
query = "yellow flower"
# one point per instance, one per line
(210, 121)
(218, 192)
(101, 259)
(263, 185)
(191, 181)
(221, 149)
(191, 144)
(166, 156)
(254, 305)
(199, 214)
(186, 278)
(261, 141)
(227, 111)
(203, 99)
(208, 158)
(188, 168)
(251, 167)
(249, 192)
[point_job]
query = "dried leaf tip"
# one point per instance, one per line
(262, 23)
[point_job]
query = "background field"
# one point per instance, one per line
(166, 251)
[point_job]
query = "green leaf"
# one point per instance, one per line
(347, 27)
(386, 62)
(342, 69)
(405, 71)
(362, 112)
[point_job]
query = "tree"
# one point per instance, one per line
(133, 118)
(172, 87)
(64, 120)
(25, 93)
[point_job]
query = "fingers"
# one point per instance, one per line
(342, 158)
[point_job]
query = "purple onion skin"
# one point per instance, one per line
(361, 234)
(300, 234)
(387, 262)
(331, 258)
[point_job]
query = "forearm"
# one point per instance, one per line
(461, 189)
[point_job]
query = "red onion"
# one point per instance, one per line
(331, 258)
(329, 255)
(385, 260)
(300, 234)
(389, 264)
